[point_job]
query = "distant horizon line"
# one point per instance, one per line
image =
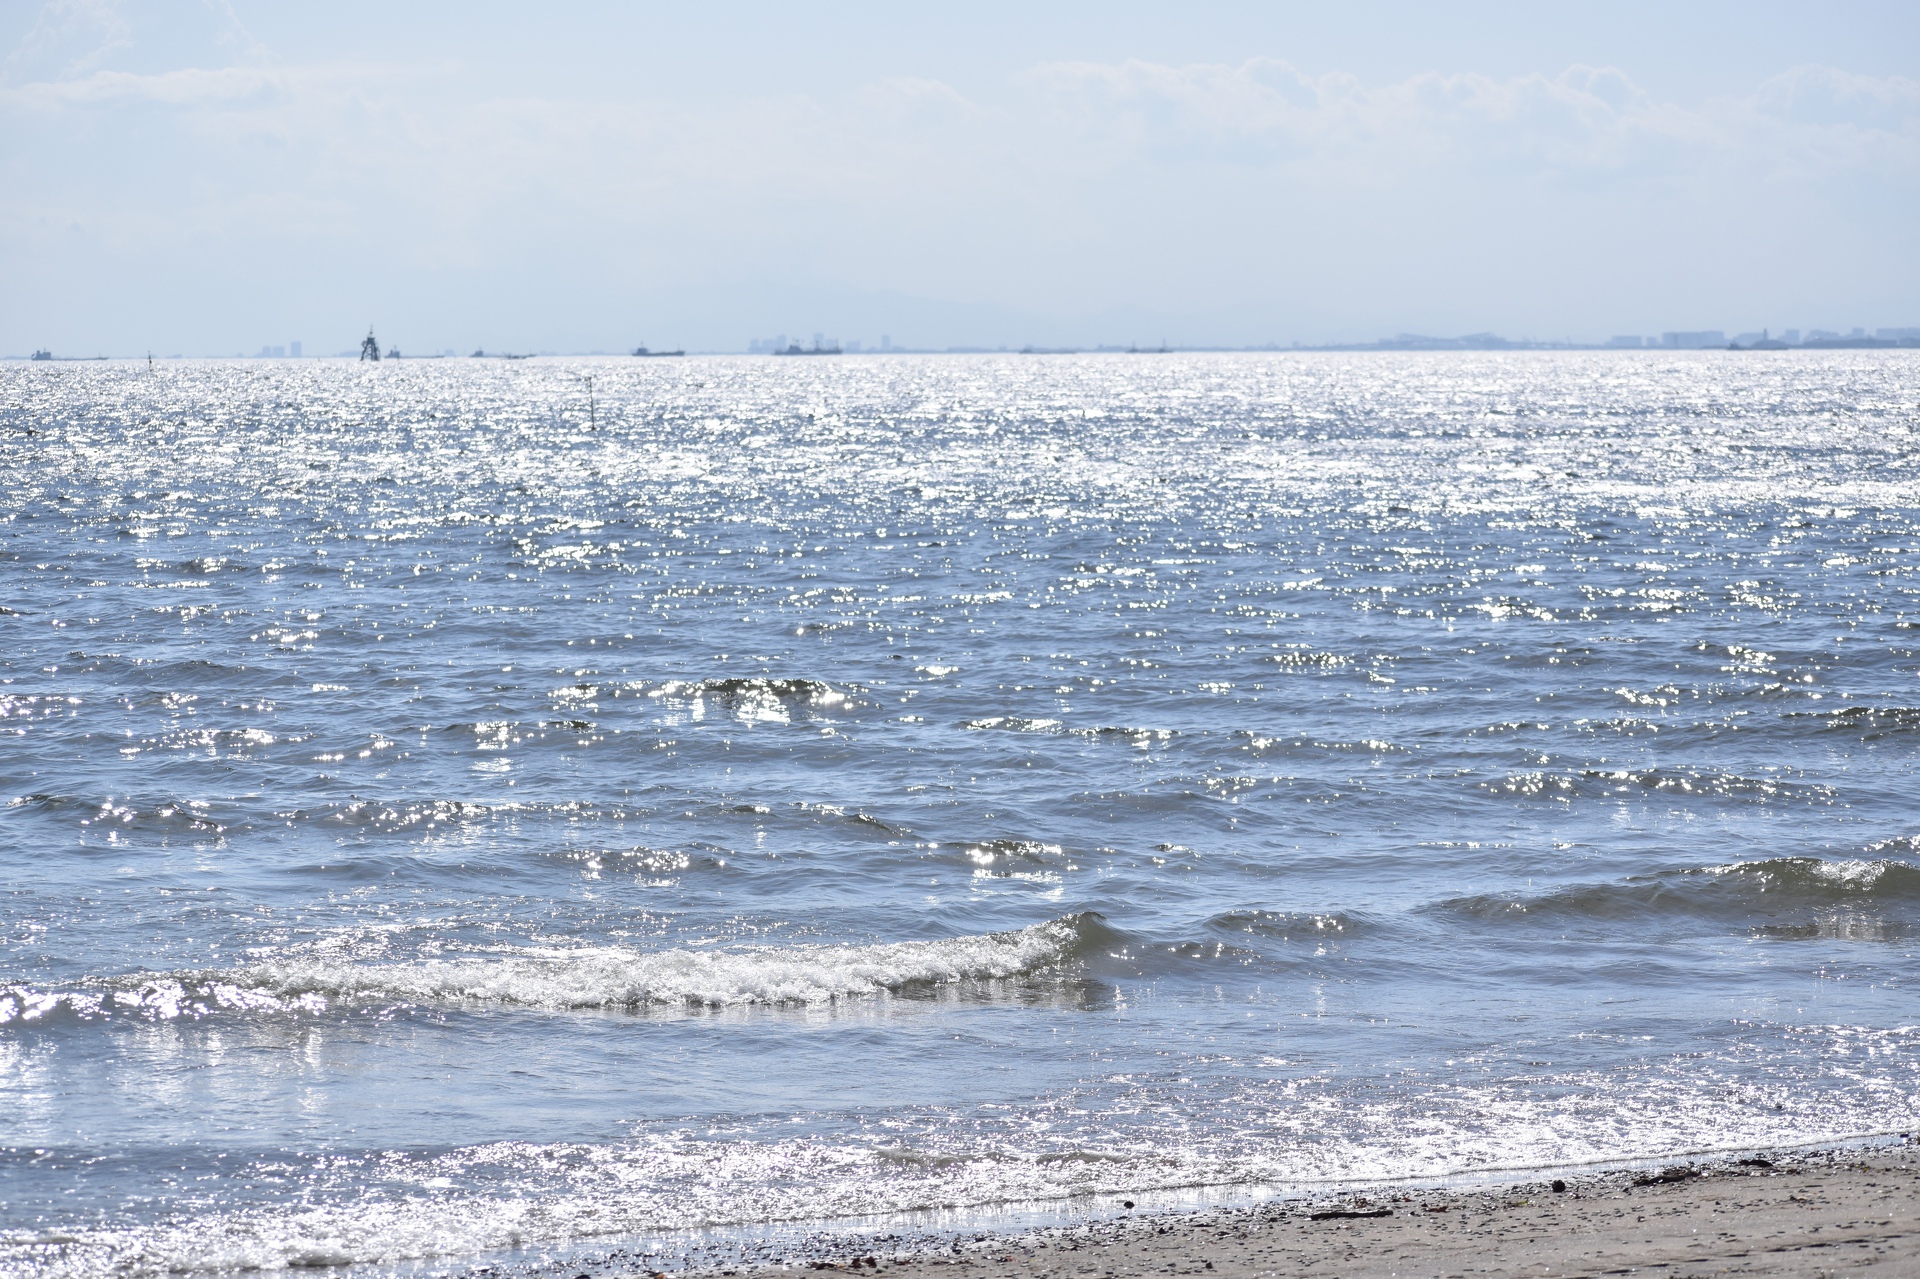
(1818, 339)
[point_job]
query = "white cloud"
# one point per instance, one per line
(1249, 189)
(1827, 96)
(188, 87)
(1586, 120)
(68, 38)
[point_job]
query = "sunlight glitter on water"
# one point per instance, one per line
(433, 825)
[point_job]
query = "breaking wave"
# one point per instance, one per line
(810, 692)
(756, 697)
(596, 977)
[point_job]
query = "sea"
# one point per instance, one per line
(461, 810)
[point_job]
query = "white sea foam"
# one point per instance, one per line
(618, 977)
(572, 977)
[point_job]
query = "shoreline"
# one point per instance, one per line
(1844, 1209)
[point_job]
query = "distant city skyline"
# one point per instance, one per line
(819, 341)
(1667, 339)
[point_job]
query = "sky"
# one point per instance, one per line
(212, 176)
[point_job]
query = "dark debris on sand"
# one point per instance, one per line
(1192, 1242)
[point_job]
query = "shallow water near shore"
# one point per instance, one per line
(436, 825)
(1000, 1227)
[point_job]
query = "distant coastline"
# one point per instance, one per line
(1886, 339)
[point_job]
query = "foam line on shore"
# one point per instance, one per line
(1157, 1231)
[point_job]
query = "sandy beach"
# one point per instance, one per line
(1829, 1214)
(1843, 1213)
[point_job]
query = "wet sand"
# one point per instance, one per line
(1827, 1214)
(1841, 1214)
(1851, 1211)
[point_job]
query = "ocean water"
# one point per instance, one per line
(441, 815)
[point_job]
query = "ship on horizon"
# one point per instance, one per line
(641, 350)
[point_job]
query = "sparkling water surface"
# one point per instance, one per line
(443, 815)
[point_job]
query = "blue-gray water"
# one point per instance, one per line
(836, 786)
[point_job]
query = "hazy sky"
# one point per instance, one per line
(203, 176)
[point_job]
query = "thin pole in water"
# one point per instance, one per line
(593, 417)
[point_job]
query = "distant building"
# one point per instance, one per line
(1790, 336)
(1698, 340)
(1626, 342)
(1897, 335)
(293, 349)
(886, 342)
(1748, 339)
(767, 346)
(1821, 335)
(1415, 342)
(1855, 341)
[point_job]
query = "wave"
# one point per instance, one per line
(588, 977)
(165, 816)
(1870, 723)
(1839, 927)
(1740, 892)
(1011, 858)
(401, 814)
(756, 698)
(1272, 744)
(809, 692)
(1309, 659)
(1018, 724)
(1287, 926)
(1594, 783)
